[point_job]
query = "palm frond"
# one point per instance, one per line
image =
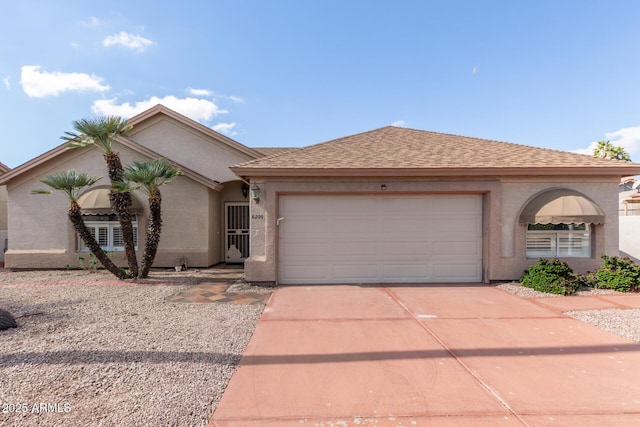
(100, 131)
(69, 182)
(150, 175)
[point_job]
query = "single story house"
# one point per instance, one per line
(205, 211)
(405, 205)
(392, 205)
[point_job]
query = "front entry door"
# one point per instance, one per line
(236, 232)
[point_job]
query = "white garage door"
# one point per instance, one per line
(380, 239)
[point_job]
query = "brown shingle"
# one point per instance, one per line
(402, 148)
(272, 151)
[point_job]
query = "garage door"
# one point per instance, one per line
(380, 239)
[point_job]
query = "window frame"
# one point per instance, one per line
(107, 228)
(561, 240)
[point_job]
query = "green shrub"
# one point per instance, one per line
(551, 276)
(620, 274)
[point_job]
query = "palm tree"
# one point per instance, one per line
(606, 150)
(620, 153)
(603, 149)
(101, 132)
(72, 183)
(149, 176)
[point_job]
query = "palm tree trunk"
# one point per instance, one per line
(152, 237)
(75, 216)
(121, 203)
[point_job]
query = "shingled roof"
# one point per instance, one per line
(396, 151)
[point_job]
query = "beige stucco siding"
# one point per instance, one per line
(188, 147)
(41, 235)
(3, 220)
(3, 207)
(516, 194)
(186, 224)
(504, 251)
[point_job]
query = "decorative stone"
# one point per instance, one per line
(6, 320)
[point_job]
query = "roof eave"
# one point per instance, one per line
(422, 172)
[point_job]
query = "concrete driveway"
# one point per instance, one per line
(434, 355)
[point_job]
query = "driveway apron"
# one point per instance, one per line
(428, 355)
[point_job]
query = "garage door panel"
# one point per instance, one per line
(304, 249)
(455, 225)
(406, 272)
(461, 248)
(455, 272)
(455, 204)
(345, 273)
(295, 205)
(375, 239)
(293, 228)
(351, 225)
(355, 206)
(406, 248)
(354, 249)
(404, 225)
(402, 205)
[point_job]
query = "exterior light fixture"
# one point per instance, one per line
(245, 190)
(383, 187)
(255, 193)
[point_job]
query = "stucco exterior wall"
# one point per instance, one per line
(504, 251)
(3, 207)
(41, 236)
(517, 192)
(3, 219)
(629, 231)
(188, 147)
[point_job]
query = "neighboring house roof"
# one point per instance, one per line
(396, 151)
(4, 168)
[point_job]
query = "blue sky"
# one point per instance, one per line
(555, 74)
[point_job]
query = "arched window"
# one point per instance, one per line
(559, 224)
(103, 223)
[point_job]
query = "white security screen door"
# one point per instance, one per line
(236, 232)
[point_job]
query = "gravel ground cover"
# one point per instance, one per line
(94, 351)
(625, 323)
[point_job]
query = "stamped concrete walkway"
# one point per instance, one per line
(450, 355)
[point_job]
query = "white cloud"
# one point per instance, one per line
(399, 123)
(92, 21)
(627, 138)
(237, 99)
(132, 41)
(38, 84)
(225, 128)
(194, 108)
(6, 82)
(199, 92)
